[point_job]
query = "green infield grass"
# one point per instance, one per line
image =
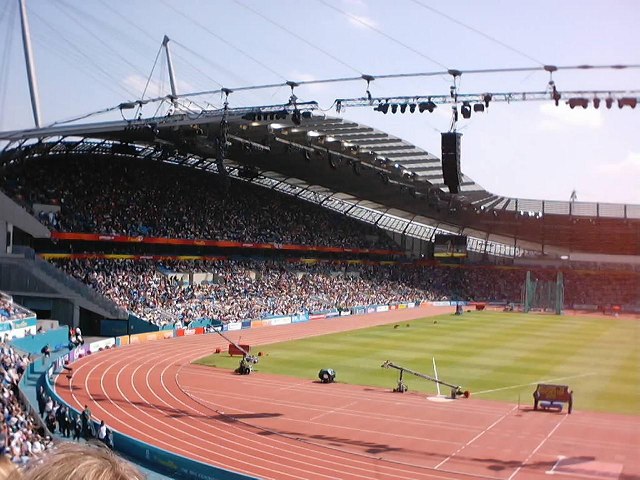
(494, 355)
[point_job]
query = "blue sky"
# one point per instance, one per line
(96, 53)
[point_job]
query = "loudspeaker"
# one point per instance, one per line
(451, 160)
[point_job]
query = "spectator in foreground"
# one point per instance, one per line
(8, 470)
(87, 428)
(77, 428)
(21, 438)
(82, 462)
(46, 353)
(102, 431)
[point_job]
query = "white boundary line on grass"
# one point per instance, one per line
(534, 383)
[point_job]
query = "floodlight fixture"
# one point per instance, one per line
(296, 117)
(465, 110)
(556, 96)
(429, 106)
(627, 102)
(578, 102)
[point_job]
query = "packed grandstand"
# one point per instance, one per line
(251, 289)
(114, 196)
(119, 197)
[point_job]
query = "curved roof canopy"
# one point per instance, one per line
(376, 171)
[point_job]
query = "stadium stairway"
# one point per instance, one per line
(35, 377)
(26, 275)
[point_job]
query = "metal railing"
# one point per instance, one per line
(79, 288)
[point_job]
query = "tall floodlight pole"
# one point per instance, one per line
(28, 57)
(172, 79)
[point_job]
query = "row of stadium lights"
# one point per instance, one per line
(466, 108)
(296, 116)
(584, 102)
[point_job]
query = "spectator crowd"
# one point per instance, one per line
(252, 289)
(239, 290)
(602, 288)
(10, 310)
(116, 196)
(21, 437)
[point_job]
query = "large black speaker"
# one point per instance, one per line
(451, 160)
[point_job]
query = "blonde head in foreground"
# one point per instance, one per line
(8, 471)
(82, 462)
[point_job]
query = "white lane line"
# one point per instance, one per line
(558, 461)
(585, 475)
(210, 397)
(152, 349)
(544, 440)
(475, 438)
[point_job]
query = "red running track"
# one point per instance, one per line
(276, 427)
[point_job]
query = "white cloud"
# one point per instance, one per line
(562, 117)
(629, 167)
(360, 21)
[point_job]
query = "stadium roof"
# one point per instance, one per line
(372, 175)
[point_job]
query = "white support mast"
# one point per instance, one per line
(172, 79)
(28, 57)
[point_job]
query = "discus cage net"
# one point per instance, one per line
(543, 294)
